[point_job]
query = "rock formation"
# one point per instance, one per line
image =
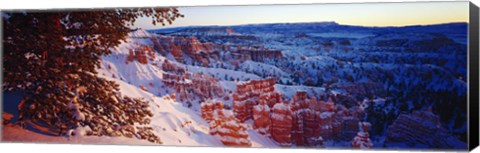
(270, 98)
(305, 127)
(202, 52)
(224, 124)
(189, 86)
(330, 125)
(281, 128)
(250, 93)
(256, 53)
(261, 118)
(207, 108)
(362, 140)
(141, 53)
(315, 120)
(180, 47)
(229, 129)
(421, 129)
(299, 107)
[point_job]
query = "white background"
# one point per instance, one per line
(68, 148)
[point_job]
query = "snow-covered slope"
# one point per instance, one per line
(178, 125)
(173, 123)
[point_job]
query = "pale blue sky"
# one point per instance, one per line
(366, 14)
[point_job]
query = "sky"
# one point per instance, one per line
(364, 14)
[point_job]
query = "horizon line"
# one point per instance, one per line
(337, 23)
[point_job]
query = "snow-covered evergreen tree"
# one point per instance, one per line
(52, 57)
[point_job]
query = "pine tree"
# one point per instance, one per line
(52, 57)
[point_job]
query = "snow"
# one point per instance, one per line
(139, 33)
(281, 106)
(264, 69)
(289, 91)
(178, 125)
(340, 35)
(13, 133)
(220, 73)
(168, 118)
(277, 116)
(172, 122)
(261, 108)
(79, 131)
(326, 114)
(261, 141)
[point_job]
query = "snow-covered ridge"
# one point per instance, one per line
(170, 115)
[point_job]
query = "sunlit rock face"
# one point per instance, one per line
(186, 49)
(420, 129)
(281, 128)
(223, 124)
(305, 121)
(229, 129)
(261, 118)
(207, 108)
(250, 93)
(180, 47)
(141, 53)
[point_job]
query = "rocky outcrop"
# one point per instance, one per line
(223, 124)
(270, 98)
(316, 120)
(250, 93)
(189, 86)
(176, 52)
(207, 108)
(313, 120)
(299, 107)
(299, 101)
(281, 128)
(141, 53)
(362, 140)
(306, 121)
(345, 125)
(180, 47)
(229, 129)
(202, 52)
(297, 127)
(311, 129)
(330, 127)
(261, 118)
(258, 54)
(421, 129)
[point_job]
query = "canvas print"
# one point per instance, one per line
(350, 76)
